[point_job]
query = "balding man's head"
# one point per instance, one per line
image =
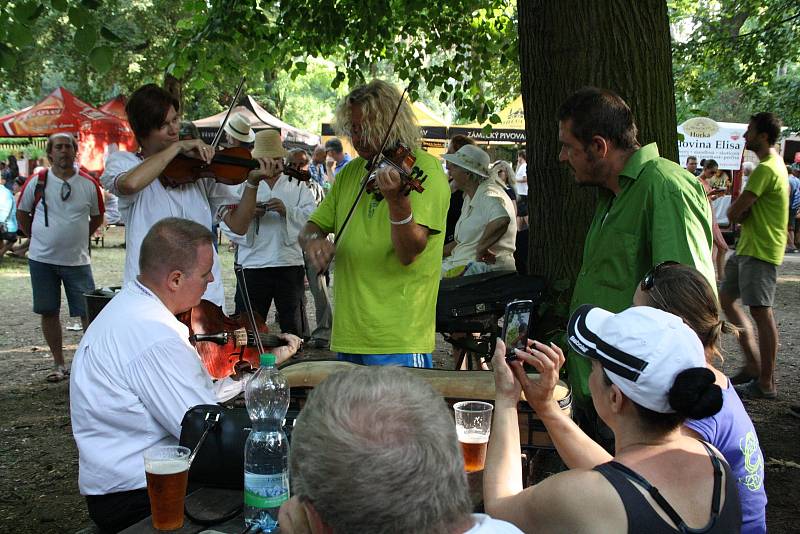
(171, 245)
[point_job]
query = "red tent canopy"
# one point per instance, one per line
(61, 111)
(116, 107)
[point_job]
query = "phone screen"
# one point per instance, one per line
(517, 325)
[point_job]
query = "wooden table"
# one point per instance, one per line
(203, 503)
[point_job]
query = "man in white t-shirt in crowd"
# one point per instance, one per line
(145, 199)
(414, 479)
(269, 252)
(135, 374)
(59, 218)
(521, 177)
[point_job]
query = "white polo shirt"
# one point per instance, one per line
(65, 240)
(275, 244)
(203, 202)
(521, 173)
(133, 378)
(489, 203)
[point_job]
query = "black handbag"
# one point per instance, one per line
(219, 462)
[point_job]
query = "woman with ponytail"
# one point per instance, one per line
(649, 376)
(683, 291)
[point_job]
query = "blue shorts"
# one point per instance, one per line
(408, 359)
(46, 280)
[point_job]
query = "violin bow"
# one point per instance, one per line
(239, 271)
(218, 135)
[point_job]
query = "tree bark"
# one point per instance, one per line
(622, 45)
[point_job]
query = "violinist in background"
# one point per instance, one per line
(135, 374)
(389, 259)
(145, 200)
(269, 251)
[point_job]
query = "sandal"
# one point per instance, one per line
(742, 377)
(58, 374)
(752, 390)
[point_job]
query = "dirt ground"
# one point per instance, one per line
(39, 461)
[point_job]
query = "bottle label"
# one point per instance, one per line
(266, 491)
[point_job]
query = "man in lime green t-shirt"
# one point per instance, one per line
(388, 259)
(752, 272)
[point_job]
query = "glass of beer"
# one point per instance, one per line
(167, 471)
(473, 423)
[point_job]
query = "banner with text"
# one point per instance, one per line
(707, 139)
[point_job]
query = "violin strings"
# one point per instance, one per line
(239, 271)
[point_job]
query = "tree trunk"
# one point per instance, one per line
(622, 45)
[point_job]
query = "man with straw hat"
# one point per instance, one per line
(238, 131)
(269, 252)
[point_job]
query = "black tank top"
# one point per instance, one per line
(643, 519)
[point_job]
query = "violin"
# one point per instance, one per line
(227, 345)
(229, 166)
(400, 158)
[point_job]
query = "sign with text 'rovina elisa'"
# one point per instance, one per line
(705, 138)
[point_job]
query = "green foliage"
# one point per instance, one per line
(731, 56)
(443, 52)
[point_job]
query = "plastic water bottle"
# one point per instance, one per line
(266, 469)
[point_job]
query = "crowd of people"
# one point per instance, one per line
(651, 409)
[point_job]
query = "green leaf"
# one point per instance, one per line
(495, 118)
(85, 39)
(91, 4)
(101, 59)
(19, 35)
(78, 16)
(109, 35)
(7, 59)
(59, 5)
(27, 11)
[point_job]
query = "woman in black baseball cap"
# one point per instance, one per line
(648, 376)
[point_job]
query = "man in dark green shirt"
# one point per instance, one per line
(650, 210)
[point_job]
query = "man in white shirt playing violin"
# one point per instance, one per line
(153, 114)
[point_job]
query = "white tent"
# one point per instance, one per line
(260, 119)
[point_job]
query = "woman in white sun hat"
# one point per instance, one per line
(485, 233)
(648, 376)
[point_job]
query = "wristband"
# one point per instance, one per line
(248, 185)
(404, 221)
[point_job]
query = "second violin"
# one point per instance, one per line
(229, 166)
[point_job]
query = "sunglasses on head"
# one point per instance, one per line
(649, 280)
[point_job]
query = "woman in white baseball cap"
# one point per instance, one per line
(648, 376)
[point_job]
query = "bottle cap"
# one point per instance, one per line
(266, 359)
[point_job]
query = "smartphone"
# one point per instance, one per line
(516, 326)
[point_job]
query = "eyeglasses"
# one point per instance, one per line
(66, 191)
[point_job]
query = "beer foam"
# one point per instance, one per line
(473, 437)
(166, 467)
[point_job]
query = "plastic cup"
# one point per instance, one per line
(167, 470)
(473, 425)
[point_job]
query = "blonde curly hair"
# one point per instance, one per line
(378, 100)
